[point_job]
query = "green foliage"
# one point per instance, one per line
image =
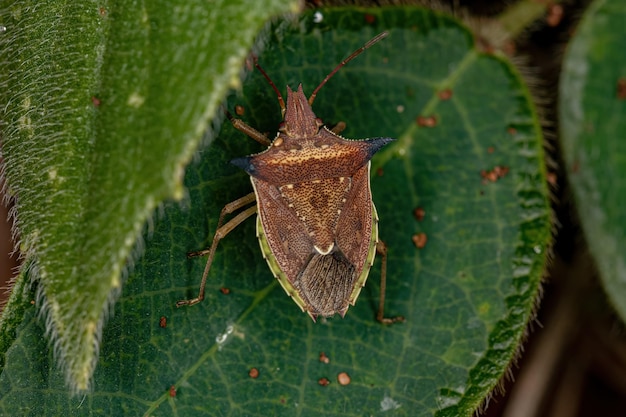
(593, 127)
(467, 295)
(102, 108)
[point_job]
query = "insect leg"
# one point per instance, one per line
(226, 210)
(338, 128)
(381, 248)
(241, 126)
(220, 233)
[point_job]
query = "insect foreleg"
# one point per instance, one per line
(241, 126)
(338, 128)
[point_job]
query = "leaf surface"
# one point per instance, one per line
(467, 295)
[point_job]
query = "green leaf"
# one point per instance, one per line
(102, 107)
(593, 133)
(467, 295)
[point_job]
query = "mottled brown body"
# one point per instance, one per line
(317, 225)
(315, 209)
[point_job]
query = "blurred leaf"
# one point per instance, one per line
(102, 107)
(592, 103)
(467, 295)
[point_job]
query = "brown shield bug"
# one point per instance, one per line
(317, 224)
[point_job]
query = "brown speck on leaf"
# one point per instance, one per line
(323, 382)
(95, 101)
(32, 302)
(511, 131)
(426, 121)
(555, 15)
(379, 172)
(240, 110)
(576, 167)
(491, 149)
(552, 178)
(495, 174)
(225, 290)
(282, 400)
(254, 373)
(370, 18)
(419, 213)
(419, 240)
(163, 322)
(501, 171)
(621, 88)
(487, 175)
(324, 358)
(103, 12)
(445, 94)
(343, 378)
(172, 391)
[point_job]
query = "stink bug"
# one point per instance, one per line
(316, 224)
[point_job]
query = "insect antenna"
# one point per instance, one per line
(344, 62)
(281, 102)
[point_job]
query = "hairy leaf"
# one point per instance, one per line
(102, 106)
